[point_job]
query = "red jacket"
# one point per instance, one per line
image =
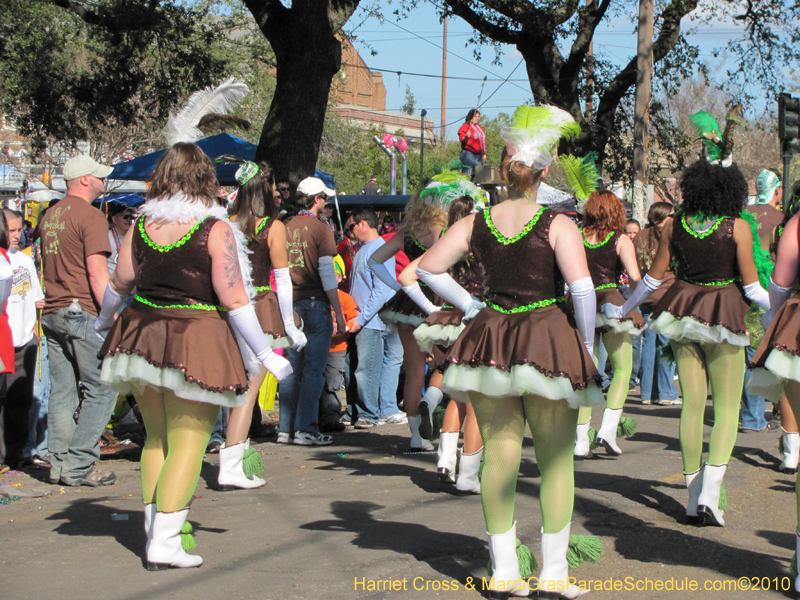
(6, 339)
(476, 143)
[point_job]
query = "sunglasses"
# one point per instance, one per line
(128, 217)
(283, 189)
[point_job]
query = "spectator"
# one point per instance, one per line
(632, 227)
(347, 249)
(285, 190)
(311, 250)
(371, 189)
(26, 297)
(120, 222)
(330, 406)
(380, 352)
(389, 225)
(6, 338)
(75, 247)
(473, 142)
(326, 216)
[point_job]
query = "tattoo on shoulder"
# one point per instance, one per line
(230, 255)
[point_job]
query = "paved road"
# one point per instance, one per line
(363, 510)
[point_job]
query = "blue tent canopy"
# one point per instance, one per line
(139, 169)
(130, 200)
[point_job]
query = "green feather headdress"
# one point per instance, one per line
(535, 132)
(581, 175)
(718, 145)
(449, 185)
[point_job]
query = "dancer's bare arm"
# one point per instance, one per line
(226, 274)
(743, 237)
(627, 254)
(567, 243)
(276, 240)
(389, 249)
(124, 277)
(785, 272)
(449, 249)
(663, 257)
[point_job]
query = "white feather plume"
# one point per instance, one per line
(182, 127)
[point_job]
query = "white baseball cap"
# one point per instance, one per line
(81, 165)
(311, 186)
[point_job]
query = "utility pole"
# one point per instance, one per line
(422, 114)
(644, 65)
(444, 77)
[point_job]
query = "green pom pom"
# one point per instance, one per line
(252, 464)
(527, 562)
(666, 354)
(187, 539)
(723, 497)
(483, 464)
(592, 438)
(793, 566)
(438, 421)
(626, 427)
(583, 548)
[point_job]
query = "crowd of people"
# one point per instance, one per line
(188, 304)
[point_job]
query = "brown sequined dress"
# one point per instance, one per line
(525, 342)
(266, 301)
(605, 267)
(706, 303)
(174, 336)
(402, 309)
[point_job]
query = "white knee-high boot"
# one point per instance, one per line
(694, 483)
(165, 550)
(791, 452)
(231, 472)
(149, 513)
(607, 434)
(468, 469)
(433, 396)
(505, 579)
(417, 443)
(554, 578)
(708, 502)
(448, 449)
(797, 553)
(582, 444)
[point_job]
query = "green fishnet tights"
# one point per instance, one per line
(178, 431)
(722, 365)
(502, 425)
(620, 353)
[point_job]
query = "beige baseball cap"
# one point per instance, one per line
(81, 165)
(311, 186)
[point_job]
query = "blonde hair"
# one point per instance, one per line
(184, 168)
(420, 217)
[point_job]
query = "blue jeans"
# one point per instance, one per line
(37, 419)
(300, 391)
(380, 355)
(469, 162)
(752, 413)
(636, 342)
(74, 426)
(660, 386)
(220, 427)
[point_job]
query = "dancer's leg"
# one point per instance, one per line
(552, 426)
(788, 420)
(414, 360)
(584, 414)
(240, 417)
(453, 416)
(620, 352)
(472, 433)
(189, 426)
(502, 425)
(154, 452)
(694, 386)
(726, 372)
(793, 394)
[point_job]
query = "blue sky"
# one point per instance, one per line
(414, 46)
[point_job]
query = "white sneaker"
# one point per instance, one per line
(283, 438)
(396, 419)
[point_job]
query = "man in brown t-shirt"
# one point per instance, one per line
(311, 250)
(75, 249)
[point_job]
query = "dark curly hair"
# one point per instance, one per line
(714, 190)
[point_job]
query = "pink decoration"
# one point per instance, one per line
(392, 140)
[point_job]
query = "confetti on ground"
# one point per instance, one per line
(342, 455)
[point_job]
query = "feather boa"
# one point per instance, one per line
(183, 209)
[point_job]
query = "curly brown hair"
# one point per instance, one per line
(604, 213)
(184, 168)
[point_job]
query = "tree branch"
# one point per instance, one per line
(482, 25)
(263, 10)
(589, 20)
(79, 10)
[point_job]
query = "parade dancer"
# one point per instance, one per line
(255, 215)
(702, 314)
(608, 252)
(175, 346)
(422, 225)
(522, 357)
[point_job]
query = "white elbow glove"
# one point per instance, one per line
(755, 293)
(382, 273)
(646, 287)
(283, 285)
(327, 273)
(584, 303)
(415, 293)
(447, 288)
(777, 296)
(111, 303)
(246, 322)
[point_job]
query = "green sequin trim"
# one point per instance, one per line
(261, 226)
(706, 233)
(447, 306)
(193, 306)
(526, 308)
(605, 241)
(729, 281)
(503, 239)
(177, 244)
(416, 243)
(263, 288)
(606, 286)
